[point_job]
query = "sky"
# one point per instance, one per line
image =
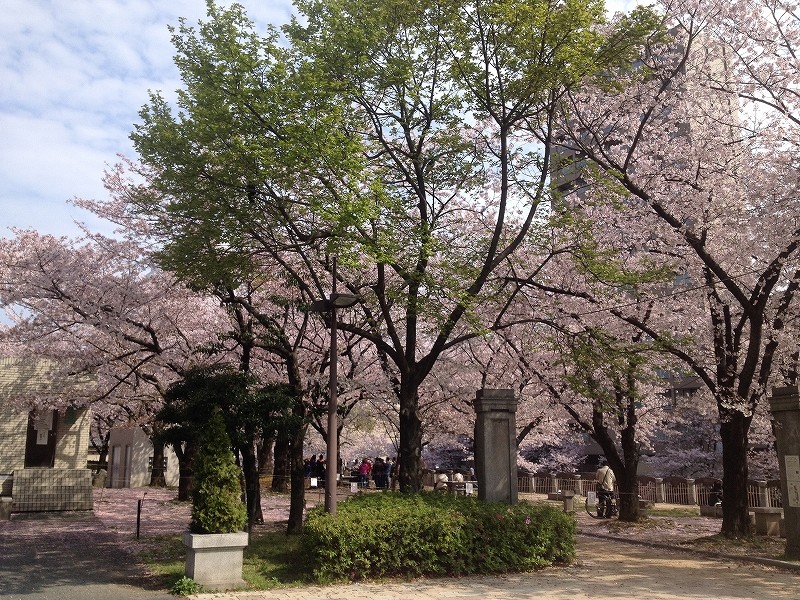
(73, 76)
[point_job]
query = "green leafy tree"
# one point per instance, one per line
(250, 412)
(412, 138)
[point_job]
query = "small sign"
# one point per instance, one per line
(353, 487)
(41, 437)
(591, 498)
(468, 488)
(313, 482)
(44, 421)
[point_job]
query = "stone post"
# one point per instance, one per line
(660, 494)
(691, 492)
(785, 406)
(553, 483)
(578, 485)
(496, 445)
(763, 494)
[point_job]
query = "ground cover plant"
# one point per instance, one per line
(390, 535)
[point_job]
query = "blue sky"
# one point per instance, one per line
(73, 76)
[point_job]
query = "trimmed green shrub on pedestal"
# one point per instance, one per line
(217, 505)
(216, 541)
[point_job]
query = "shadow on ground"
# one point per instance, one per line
(73, 552)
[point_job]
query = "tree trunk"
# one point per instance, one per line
(297, 498)
(625, 467)
(157, 478)
(283, 465)
(266, 458)
(626, 480)
(185, 456)
(410, 440)
(252, 485)
(102, 448)
(733, 431)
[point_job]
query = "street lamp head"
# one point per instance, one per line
(343, 300)
(335, 301)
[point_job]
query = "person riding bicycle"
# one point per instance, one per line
(605, 491)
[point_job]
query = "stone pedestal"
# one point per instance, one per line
(214, 560)
(767, 520)
(569, 501)
(785, 406)
(496, 446)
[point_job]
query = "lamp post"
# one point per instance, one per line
(330, 305)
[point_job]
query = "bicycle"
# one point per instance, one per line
(606, 507)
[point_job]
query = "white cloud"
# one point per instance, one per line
(74, 76)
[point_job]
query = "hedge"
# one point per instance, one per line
(433, 534)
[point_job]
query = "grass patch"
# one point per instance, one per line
(164, 556)
(388, 536)
(762, 545)
(273, 560)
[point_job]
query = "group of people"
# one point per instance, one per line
(382, 470)
(315, 467)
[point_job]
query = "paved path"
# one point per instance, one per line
(67, 557)
(77, 557)
(605, 570)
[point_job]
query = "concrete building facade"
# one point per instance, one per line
(130, 456)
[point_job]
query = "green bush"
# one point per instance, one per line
(217, 505)
(185, 586)
(387, 534)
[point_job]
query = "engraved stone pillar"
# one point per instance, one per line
(785, 406)
(496, 445)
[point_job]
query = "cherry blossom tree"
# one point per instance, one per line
(698, 147)
(97, 306)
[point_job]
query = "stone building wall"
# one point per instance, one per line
(72, 439)
(13, 427)
(65, 486)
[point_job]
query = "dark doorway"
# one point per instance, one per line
(40, 444)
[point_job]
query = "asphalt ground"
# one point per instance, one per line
(68, 556)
